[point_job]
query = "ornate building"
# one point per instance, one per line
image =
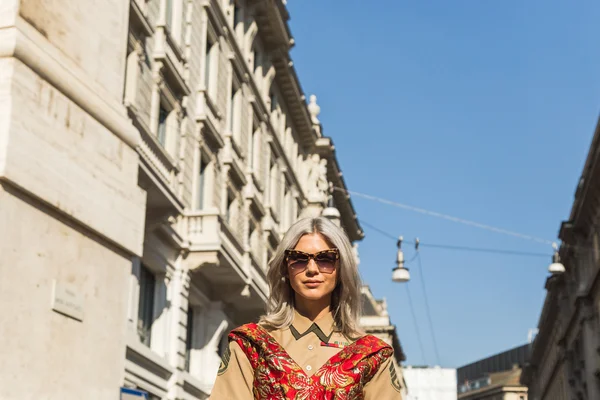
(565, 359)
(152, 154)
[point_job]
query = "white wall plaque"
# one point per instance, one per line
(67, 300)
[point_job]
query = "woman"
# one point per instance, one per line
(309, 344)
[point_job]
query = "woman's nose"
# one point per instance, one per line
(312, 267)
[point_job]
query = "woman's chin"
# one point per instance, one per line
(312, 294)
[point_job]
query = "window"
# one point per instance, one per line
(161, 134)
(169, 14)
(274, 102)
(146, 304)
(230, 205)
(254, 159)
(189, 337)
(257, 59)
(207, 63)
(234, 112)
(253, 239)
(237, 15)
(273, 184)
(201, 184)
(232, 109)
(287, 207)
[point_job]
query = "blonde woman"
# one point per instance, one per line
(309, 344)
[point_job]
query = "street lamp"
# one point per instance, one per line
(556, 267)
(400, 274)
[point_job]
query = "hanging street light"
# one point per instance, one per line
(556, 267)
(400, 274)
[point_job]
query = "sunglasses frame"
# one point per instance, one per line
(312, 256)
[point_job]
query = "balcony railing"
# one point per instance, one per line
(158, 158)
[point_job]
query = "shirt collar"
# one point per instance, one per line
(322, 327)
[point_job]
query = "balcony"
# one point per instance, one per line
(171, 56)
(208, 114)
(158, 174)
(216, 261)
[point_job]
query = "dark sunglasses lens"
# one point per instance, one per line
(326, 261)
(297, 260)
(326, 257)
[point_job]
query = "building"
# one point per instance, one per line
(565, 360)
(503, 385)
(152, 154)
(494, 378)
(430, 383)
(375, 320)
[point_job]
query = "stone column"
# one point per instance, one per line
(155, 100)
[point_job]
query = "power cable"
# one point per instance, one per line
(454, 247)
(445, 216)
(427, 309)
(414, 317)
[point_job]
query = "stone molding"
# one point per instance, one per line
(26, 44)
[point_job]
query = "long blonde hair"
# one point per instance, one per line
(345, 300)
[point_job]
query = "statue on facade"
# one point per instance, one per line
(316, 181)
(314, 110)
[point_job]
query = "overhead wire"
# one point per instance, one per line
(416, 324)
(454, 247)
(427, 309)
(446, 217)
(417, 256)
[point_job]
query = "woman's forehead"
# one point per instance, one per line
(312, 243)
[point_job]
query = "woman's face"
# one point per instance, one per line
(316, 278)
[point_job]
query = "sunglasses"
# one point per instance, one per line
(297, 261)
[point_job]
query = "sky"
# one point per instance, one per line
(478, 109)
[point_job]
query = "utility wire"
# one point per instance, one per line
(414, 317)
(453, 247)
(445, 216)
(485, 250)
(376, 229)
(427, 309)
(410, 303)
(440, 215)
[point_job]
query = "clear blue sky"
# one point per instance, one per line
(479, 109)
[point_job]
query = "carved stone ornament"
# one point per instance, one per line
(316, 181)
(314, 110)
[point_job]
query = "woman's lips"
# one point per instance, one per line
(312, 284)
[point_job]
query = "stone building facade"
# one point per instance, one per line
(152, 154)
(565, 359)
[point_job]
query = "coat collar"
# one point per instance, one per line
(322, 327)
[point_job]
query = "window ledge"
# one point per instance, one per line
(139, 18)
(236, 171)
(256, 204)
(274, 214)
(194, 387)
(259, 185)
(211, 104)
(236, 146)
(147, 359)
